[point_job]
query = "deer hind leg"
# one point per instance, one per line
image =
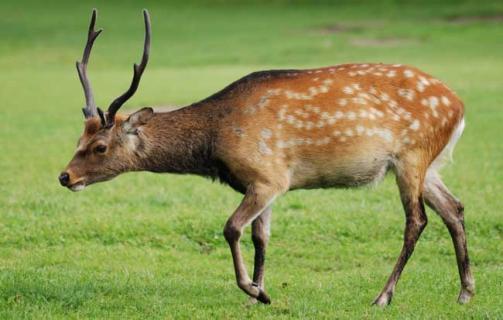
(438, 197)
(260, 238)
(256, 200)
(410, 182)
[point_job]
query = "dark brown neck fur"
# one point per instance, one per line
(179, 141)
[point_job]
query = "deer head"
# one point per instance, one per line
(109, 144)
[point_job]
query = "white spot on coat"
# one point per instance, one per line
(391, 74)
(408, 73)
(445, 101)
(348, 90)
(414, 125)
(348, 132)
(406, 93)
(323, 141)
(263, 148)
(433, 101)
(424, 81)
(420, 86)
(376, 112)
(384, 96)
(385, 134)
(281, 144)
(313, 91)
(359, 100)
(356, 86)
(266, 133)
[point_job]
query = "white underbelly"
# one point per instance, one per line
(340, 173)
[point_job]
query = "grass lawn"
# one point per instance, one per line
(151, 246)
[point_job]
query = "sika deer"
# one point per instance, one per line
(275, 131)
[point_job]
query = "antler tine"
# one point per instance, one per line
(138, 71)
(90, 109)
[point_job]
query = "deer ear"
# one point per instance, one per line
(138, 119)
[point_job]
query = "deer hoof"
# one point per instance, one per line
(252, 301)
(465, 296)
(263, 297)
(383, 300)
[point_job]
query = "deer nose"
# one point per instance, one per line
(64, 179)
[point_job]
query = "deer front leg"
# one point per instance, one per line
(260, 238)
(256, 199)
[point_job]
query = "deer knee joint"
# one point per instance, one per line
(231, 232)
(423, 221)
(260, 238)
(460, 209)
(419, 222)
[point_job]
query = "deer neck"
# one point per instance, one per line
(179, 141)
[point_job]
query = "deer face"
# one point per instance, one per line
(96, 158)
(105, 152)
(108, 145)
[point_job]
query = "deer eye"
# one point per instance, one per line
(101, 148)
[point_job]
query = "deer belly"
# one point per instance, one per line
(342, 173)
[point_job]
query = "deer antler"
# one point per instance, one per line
(138, 71)
(90, 109)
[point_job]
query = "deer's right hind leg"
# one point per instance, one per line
(410, 181)
(438, 197)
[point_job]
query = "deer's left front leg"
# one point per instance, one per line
(256, 200)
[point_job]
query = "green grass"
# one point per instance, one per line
(151, 246)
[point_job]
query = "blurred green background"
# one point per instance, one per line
(151, 246)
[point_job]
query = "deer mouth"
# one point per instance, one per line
(78, 186)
